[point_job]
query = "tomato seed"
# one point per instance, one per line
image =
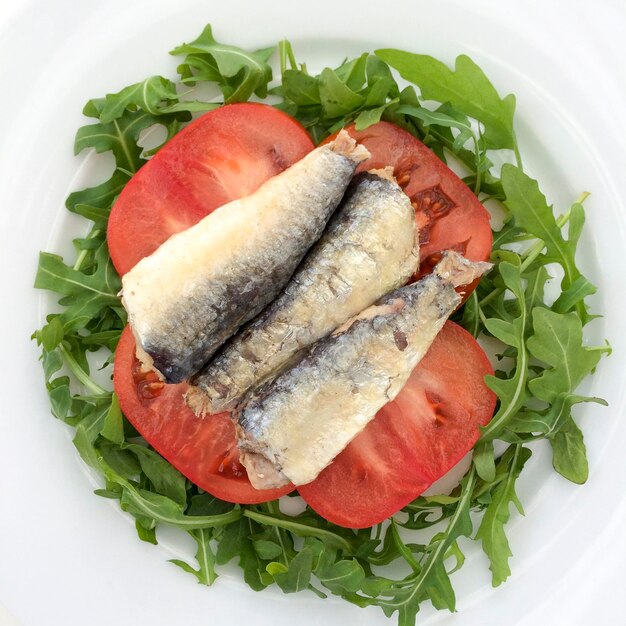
(230, 467)
(403, 179)
(147, 382)
(149, 390)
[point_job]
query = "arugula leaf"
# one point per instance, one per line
(548, 422)
(238, 73)
(235, 542)
(535, 287)
(90, 293)
(52, 363)
(105, 338)
(51, 335)
(122, 462)
(491, 530)
(267, 550)
(185, 106)
(206, 504)
(437, 118)
(341, 576)
(113, 426)
(574, 295)
(145, 534)
(97, 215)
(569, 456)
(86, 433)
(298, 573)
(148, 95)
(532, 212)
(54, 275)
(119, 136)
(558, 341)
(100, 196)
(205, 573)
(165, 510)
(466, 88)
(60, 397)
(301, 88)
(371, 116)
(336, 97)
(352, 73)
(484, 461)
(167, 480)
(380, 82)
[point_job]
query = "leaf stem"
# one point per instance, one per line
(516, 152)
(378, 531)
(187, 522)
(300, 529)
(285, 53)
(80, 373)
(487, 486)
(583, 196)
(404, 551)
(272, 507)
(83, 253)
(478, 172)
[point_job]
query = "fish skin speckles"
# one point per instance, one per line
(369, 248)
(187, 298)
(304, 417)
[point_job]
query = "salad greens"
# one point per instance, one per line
(460, 116)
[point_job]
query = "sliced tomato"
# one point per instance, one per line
(448, 214)
(223, 155)
(204, 450)
(413, 440)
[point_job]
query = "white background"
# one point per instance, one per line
(68, 557)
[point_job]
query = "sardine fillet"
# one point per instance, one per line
(302, 419)
(369, 248)
(198, 287)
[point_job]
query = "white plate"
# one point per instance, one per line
(68, 557)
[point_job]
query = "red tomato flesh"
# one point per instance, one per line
(204, 450)
(223, 155)
(448, 214)
(413, 440)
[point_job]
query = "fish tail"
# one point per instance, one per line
(456, 270)
(348, 147)
(384, 172)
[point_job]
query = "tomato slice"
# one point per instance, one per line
(204, 450)
(223, 155)
(414, 440)
(448, 214)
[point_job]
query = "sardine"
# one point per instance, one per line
(187, 298)
(292, 427)
(369, 248)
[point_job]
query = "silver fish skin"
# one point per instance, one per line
(292, 427)
(371, 246)
(188, 297)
